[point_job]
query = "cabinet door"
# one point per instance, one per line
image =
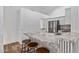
(68, 16)
(74, 18)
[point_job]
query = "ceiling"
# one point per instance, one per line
(47, 10)
(42, 9)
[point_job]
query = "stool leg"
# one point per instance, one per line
(30, 50)
(23, 48)
(27, 49)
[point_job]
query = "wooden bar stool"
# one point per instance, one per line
(24, 43)
(32, 46)
(42, 50)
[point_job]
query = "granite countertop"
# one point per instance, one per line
(70, 36)
(52, 37)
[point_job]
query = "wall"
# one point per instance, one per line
(30, 21)
(1, 29)
(59, 11)
(11, 24)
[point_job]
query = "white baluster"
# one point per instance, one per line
(68, 46)
(64, 46)
(58, 41)
(61, 46)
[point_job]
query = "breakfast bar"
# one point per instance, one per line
(64, 43)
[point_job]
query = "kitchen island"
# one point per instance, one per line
(64, 43)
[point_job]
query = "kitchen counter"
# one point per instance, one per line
(66, 42)
(67, 36)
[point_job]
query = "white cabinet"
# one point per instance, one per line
(72, 17)
(75, 19)
(68, 16)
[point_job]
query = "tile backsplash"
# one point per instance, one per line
(66, 28)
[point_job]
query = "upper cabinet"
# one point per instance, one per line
(68, 16)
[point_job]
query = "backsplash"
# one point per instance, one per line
(66, 28)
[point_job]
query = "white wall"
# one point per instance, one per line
(1, 29)
(11, 24)
(30, 21)
(59, 11)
